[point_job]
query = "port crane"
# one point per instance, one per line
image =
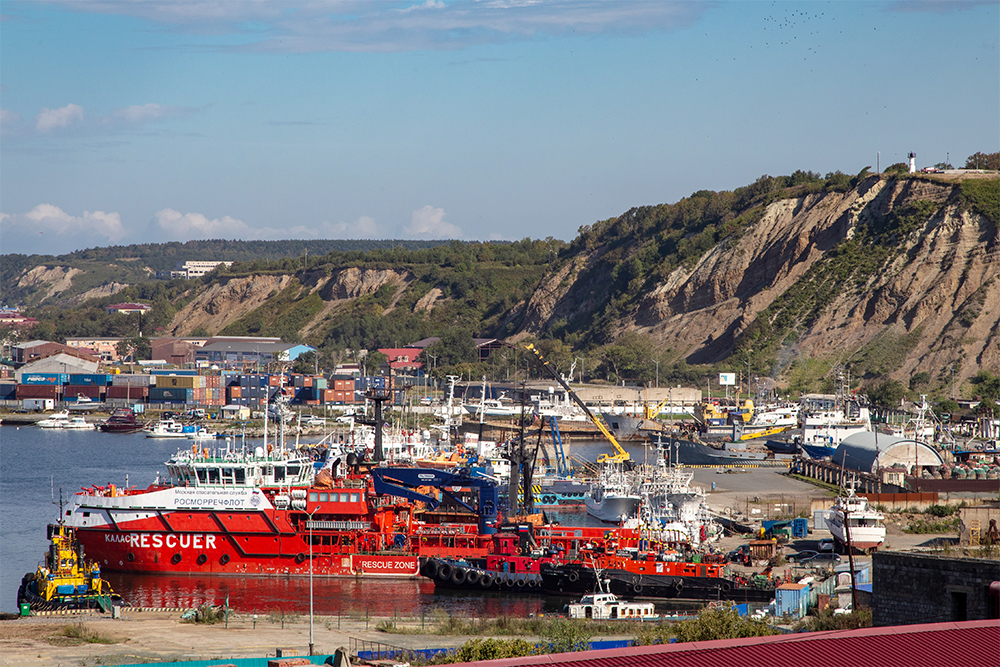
(620, 455)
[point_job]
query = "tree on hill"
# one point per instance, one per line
(982, 160)
(455, 347)
(887, 394)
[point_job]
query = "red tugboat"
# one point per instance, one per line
(240, 512)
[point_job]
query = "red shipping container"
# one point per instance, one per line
(235, 391)
(39, 391)
(128, 392)
(88, 390)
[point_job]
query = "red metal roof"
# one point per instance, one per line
(960, 644)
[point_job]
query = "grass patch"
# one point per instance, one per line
(77, 634)
(925, 526)
(981, 196)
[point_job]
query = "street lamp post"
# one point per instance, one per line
(311, 645)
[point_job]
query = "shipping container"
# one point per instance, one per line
(39, 391)
(133, 393)
(8, 391)
(133, 380)
(174, 394)
(174, 371)
(90, 391)
(45, 378)
(96, 379)
(792, 599)
(38, 404)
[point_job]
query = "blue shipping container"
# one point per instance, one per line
(90, 379)
(45, 378)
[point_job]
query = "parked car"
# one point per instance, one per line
(313, 420)
(801, 556)
(738, 553)
(821, 559)
(826, 544)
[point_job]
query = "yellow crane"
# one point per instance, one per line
(620, 453)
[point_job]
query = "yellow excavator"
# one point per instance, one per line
(620, 454)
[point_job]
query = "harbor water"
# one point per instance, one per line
(36, 464)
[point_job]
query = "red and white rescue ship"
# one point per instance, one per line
(262, 513)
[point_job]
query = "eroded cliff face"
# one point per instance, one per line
(941, 284)
(221, 304)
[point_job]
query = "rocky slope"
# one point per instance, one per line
(897, 273)
(939, 285)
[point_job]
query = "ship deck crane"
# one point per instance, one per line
(620, 454)
(403, 483)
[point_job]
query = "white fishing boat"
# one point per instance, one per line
(55, 420)
(852, 520)
(613, 497)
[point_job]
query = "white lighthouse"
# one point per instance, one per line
(913, 163)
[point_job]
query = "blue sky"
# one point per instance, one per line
(166, 120)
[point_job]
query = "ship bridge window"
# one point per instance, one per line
(213, 475)
(279, 473)
(355, 497)
(293, 471)
(201, 475)
(323, 497)
(241, 476)
(227, 476)
(313, 496)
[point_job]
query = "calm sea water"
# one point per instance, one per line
(35, 464)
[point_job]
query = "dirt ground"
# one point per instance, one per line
(163, 636)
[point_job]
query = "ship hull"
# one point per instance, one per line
(575, 581)
(613, 509)
(688, 452)
(163, 552)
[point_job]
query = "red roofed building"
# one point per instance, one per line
(962, 644)
(403, 358)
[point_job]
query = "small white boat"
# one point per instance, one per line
(55, 420)
(166, 428)
(62, 420)
(607, 606)
(201, 434)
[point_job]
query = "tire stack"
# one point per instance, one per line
(452, 574)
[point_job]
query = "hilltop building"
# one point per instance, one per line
(192, 269)
(128, 308)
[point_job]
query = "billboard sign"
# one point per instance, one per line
(727, 379)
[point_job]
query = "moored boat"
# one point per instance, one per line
(65, 580)
(122, 420)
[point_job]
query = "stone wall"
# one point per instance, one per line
(921, 588)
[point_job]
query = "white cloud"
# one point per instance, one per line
(430, 4)
(186, 226)
(353, 25)
(47, 229)
(428, 222)
(54, 119)
(362, 228)
(138, 114)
